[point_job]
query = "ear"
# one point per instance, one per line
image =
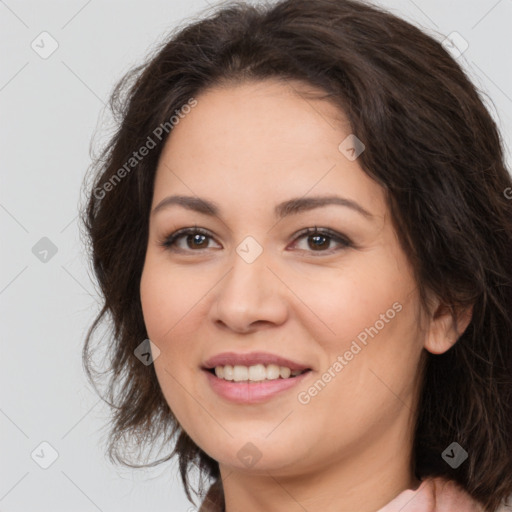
(447, 324)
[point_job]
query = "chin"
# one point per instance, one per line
(257, 456)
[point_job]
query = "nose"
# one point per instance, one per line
(249, 297)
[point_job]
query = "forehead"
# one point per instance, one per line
(260, 138)
(257, 121)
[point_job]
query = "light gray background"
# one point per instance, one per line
(50, 109)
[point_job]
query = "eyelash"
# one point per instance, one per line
(169, 241)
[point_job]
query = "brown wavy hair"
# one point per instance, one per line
(430, 142)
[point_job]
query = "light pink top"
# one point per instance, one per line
(435, 495)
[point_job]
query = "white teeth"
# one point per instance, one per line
(273, 372)
(240, 373)
(284, 372)
(228, 373)
(257, 372)
(254, 373)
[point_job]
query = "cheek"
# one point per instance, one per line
(340, 304)
(370, 319)
(174, 306)
(167, 296)
(168, 307)
(170, 311)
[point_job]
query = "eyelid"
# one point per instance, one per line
(168, 242)
(339, 238)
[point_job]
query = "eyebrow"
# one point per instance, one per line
(290, 207)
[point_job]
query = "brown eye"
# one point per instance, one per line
(320, 240)
(195, 239)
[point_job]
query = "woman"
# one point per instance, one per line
(305, 210)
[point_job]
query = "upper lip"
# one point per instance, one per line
(250, 359)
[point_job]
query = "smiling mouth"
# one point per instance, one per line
(255, 373)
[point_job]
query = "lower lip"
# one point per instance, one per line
(252, 392)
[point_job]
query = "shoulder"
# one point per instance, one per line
(450, 492)
(450, 496)
(434, 495)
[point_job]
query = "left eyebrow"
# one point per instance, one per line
(301, 204)
(290, 207)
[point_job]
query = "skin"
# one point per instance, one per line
(249, 147)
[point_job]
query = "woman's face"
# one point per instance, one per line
(342, 303)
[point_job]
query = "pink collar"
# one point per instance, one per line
(433, 495)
